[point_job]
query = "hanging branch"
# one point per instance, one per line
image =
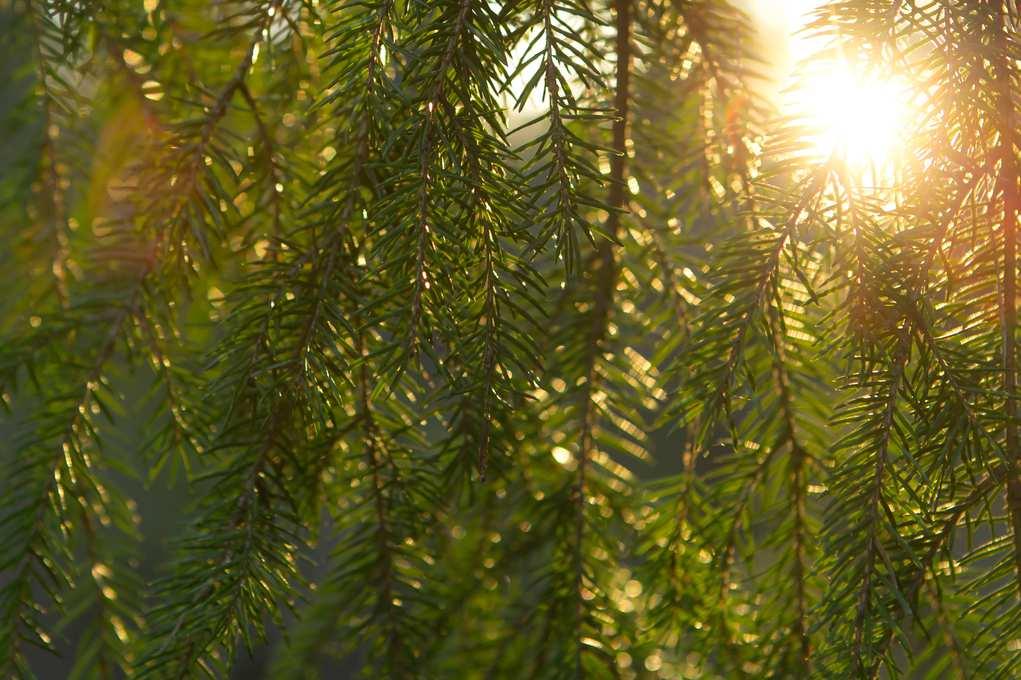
(1008, 185)
(874, 506)
(70, 472)
(605, 277)
(798, 459)
(55, 471)
(52, 196)
(559, 158)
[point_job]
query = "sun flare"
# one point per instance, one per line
(859, 118)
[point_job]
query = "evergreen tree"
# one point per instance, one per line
(513, 339)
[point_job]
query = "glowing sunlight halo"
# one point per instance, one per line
(859, 118)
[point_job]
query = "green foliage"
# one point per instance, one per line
(503, 340)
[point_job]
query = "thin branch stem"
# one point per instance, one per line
(1008, 181)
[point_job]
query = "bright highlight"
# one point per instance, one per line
(858, 118)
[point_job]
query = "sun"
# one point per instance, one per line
(859, 118)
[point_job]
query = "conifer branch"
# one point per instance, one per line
(310, 226)
(874, 550)
(603, 300)
(561, 167)
(1008, 185)
(386, 598)
(426, 160)
(65, 471)
(797, 480)
(51, 193)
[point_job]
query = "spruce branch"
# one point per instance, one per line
(343, 260)
(798, 459)
(56, 471)
(874, 549)
(52, 196)
(1008, 185)
(560, 168)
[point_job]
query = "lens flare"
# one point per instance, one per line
(859, 118)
